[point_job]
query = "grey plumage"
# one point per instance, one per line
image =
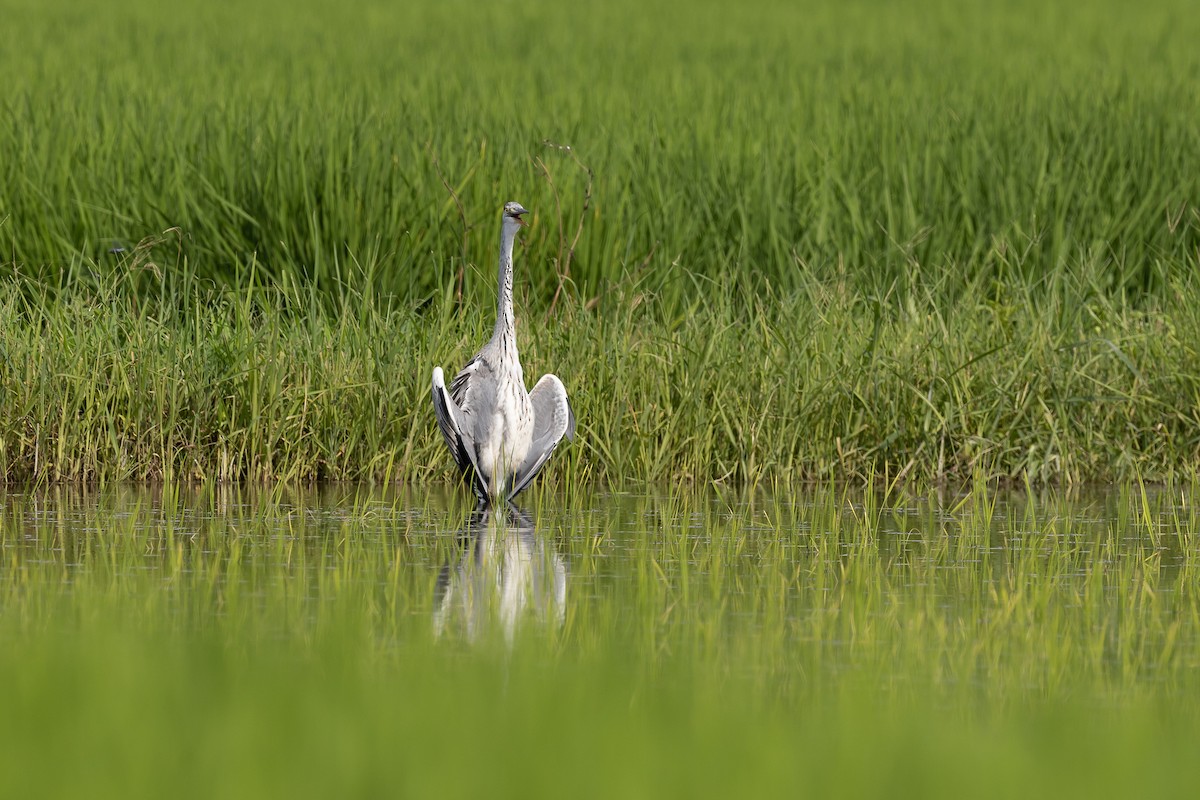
(500, 435)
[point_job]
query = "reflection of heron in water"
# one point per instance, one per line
(506, 569)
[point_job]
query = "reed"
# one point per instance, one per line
(150, 378)
(890, 146)
(917, 240)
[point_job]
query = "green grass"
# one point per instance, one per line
(966, 146)
(896, 244)
(225, 641)
(181, 381)
(792, 242)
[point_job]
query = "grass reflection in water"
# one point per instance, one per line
(350, 639)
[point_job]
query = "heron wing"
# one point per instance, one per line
(455, 432)
(552, 420)
(461, 385)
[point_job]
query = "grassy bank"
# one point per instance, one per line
(267, 383)
(213, 641)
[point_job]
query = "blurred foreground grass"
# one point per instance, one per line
(115, 715)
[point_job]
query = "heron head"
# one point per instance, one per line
(512, 214)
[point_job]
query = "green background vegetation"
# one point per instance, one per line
(790, 240)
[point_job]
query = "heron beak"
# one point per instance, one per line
(519, 217)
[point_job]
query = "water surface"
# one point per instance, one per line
(975, 588)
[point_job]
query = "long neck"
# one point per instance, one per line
(504, 306)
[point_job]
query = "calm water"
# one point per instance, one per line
(60, 526)
(696, 641)
(693, 556)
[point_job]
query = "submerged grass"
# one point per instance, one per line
(203, 641)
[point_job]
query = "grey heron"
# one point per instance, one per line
(499, 434)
